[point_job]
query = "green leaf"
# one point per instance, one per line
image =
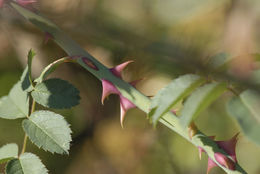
(16, 104)
(171, 94)
(56, 93)
(27, 163)
(26, 78)
(199, 100)
(8, 152)
(49, 131)
(25, 82)
(30, 56)
(245, 109)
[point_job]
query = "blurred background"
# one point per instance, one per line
(165, 39)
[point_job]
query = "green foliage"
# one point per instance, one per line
(56, 93)
(27, 163)
(8, 152)
(49, 131)
(199, 100)
(16, 104)
(31, 55)
(171, 94)
(245, 109)
(25, 82)
(26, 78)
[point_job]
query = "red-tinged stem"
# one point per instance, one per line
(128, 91)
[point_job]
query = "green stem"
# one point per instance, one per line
(141, 101)
(24, 144)
(51, 67)
(25, 135)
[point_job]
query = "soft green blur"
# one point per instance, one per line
(165, 39)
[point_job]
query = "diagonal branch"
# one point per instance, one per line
(128, 91)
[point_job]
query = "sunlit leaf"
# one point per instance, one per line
(16, 104)
(48, 131)
(245, 109)
(8, 152)
(27, 163)
(171, 94)
(199, 100)
(56, 93)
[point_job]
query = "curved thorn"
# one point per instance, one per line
(117, 70)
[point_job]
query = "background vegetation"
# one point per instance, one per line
(165, 39)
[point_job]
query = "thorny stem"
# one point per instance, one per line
(142, 102)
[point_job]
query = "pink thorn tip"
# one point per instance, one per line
(108, 88)
(25, 2)
(211, 164)
(117, 70)
(229, 146)
(125, 105)
(224, 161)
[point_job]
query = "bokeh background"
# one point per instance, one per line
(165, 39)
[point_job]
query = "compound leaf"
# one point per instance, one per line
(8, 152)
(56, 93)
(27, 163)
(245, 109)
(26, 78)
(25, 82)
(16, 104)
(49, 131)
(171, 94)
(199, 100)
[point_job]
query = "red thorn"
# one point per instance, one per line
(224, 161)
(117, 70)
(25, 2)
(108, 88)
(211, 164)
(89, 63)
(125, 105)
(47, 37)
(229, 146)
